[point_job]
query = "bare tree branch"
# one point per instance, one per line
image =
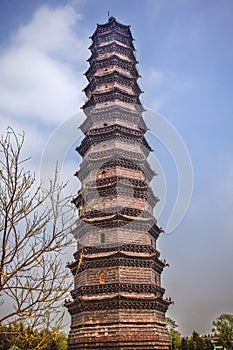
(35, 226)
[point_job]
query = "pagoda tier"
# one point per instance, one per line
(114, 79)
(117, 299)
(110, 64)
(108, 50)
(113, 35)
(115, 95)
(113, 165)
(89, 193)
(116, 138)
(120, 258)
(113, 115)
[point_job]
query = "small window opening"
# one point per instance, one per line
(102, 238)
(102, 278)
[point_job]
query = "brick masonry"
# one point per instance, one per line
(117, 299)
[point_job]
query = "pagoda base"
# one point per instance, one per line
(121, 337)
(145, 333)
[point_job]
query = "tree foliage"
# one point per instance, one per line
(174, 335)
(195, 342)
(17, 336)
(223, 328)
(34, 231)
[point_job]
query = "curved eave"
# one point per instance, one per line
(103, 28)
(89, 191)
(115, 94)
(112, 48)
(113, 35)
(93, 139)
(113, 255)
(111, 162)
(103, 182)
(110, 110)
(129, 247)
(119, 213)
(116, 153)
(114, 128)
(117, 301)
(118, 287)
(111, 78)
(87, 142)
(86, 195)
(130, 65)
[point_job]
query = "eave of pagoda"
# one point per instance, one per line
(117, 259)
(112, 61)
(89, 193)
(117, 221)
(118, 133)
(113, 77)
(118, 301)
(112, 49)
(117, 153)
(118, 212)
(110, 36)
(148, 225)
(89, 165)
(112, 25)
(115, 94)
(103, 182)
(112, 113)
(136, 249)
(99, 289)
(108, 129)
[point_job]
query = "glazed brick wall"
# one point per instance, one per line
(96, 317)
(93, 237)
(123, 201)
(109, 86)
(122, 274)
(95, 174)
(110, 121)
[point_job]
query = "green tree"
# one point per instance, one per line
(35, 229)
(208, 344)
(174, 335)
(184, 344)
(200, 342)
(223, 327)
(19, 336)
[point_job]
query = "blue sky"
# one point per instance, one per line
(185, 54)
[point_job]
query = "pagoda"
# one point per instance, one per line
(117, 300)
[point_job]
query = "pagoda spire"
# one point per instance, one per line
(117, 300)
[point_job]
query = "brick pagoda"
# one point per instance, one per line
(117, 297)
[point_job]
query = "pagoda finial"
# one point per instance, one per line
(108, 15)
(112, 19)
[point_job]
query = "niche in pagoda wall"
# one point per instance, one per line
(95, 236)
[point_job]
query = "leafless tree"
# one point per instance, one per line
(35, 226)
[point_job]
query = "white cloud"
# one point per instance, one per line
(41, 76)
(35, 85)
(52, 31)
(37, 80)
